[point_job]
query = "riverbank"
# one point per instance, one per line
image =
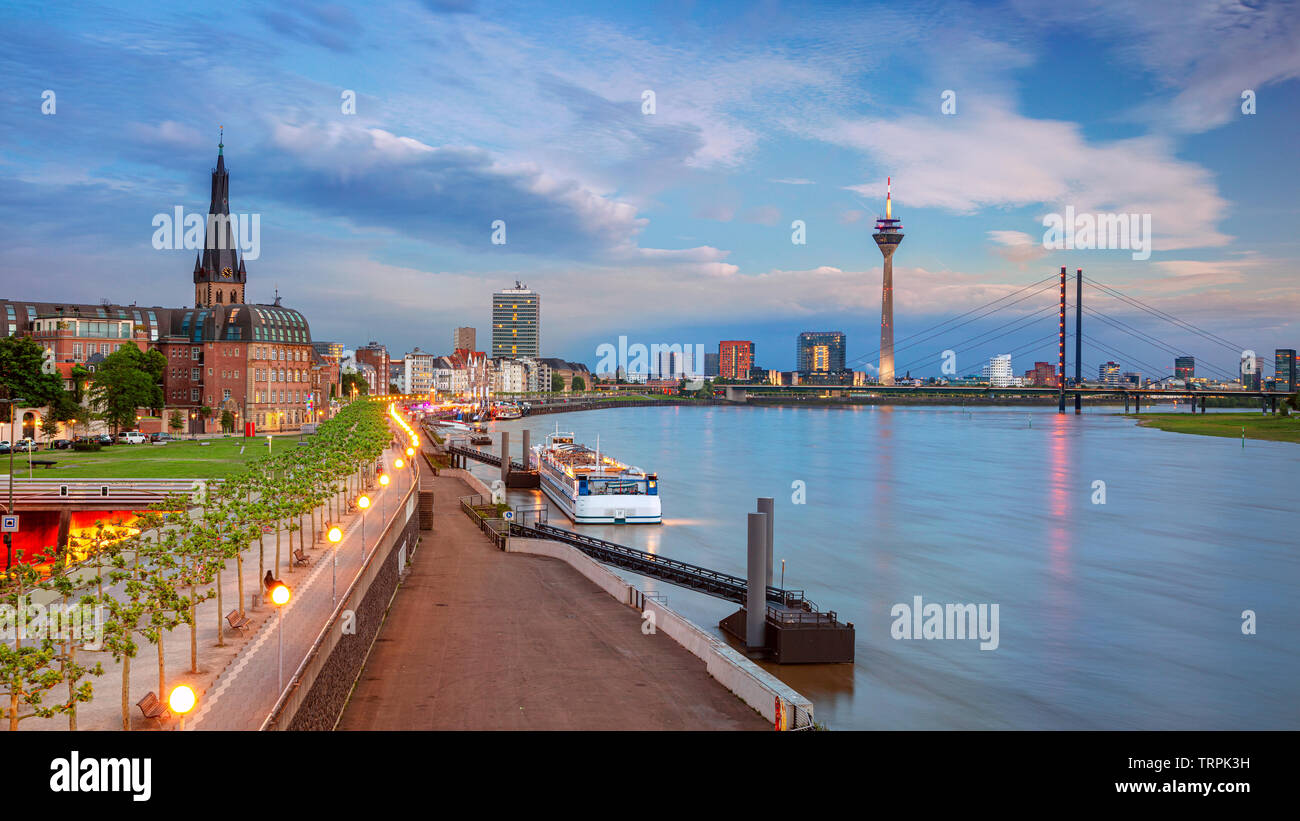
(1273, 428)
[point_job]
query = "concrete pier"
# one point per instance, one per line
(756, 597)
(767, 505)
(505, 455)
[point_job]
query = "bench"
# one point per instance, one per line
(153, 709)
(299, 557)
(237, 621)
(45, 463)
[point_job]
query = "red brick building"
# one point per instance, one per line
(735, 358)
(254, 360)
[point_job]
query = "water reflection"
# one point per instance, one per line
(1123, 615)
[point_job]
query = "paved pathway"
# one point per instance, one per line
(480, 639)
(244, 694)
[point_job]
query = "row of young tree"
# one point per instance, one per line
(171, 561)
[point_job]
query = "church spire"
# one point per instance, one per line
(220, 270)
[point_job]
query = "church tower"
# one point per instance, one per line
(219, 275)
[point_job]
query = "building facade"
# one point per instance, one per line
(820, 352)
(224, 354)
(516, 323)
(735, 358)
(1284, 373)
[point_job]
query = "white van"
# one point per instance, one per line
(131, 437)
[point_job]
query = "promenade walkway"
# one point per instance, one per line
(478, 639)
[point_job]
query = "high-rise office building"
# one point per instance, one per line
(1249, 372)
(998, 371)
(820, 352)
(712, 364)
(516, 322)
(465, 338)
(1108, 373)
(1185, 367)
(1284, 369)
(735, 358)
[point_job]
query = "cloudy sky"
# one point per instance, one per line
(672, 225)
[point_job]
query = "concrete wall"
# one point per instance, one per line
(751, 683)
(319, 688)
(470, 479)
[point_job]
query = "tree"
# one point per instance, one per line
(50, 423)
(227, 421)
(557, 382)
(579, 384)
(25, 375)
(351, 380)
(176, 421)
(392, 388)
(127, 379)
(80, 376)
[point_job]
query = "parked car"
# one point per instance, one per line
(160, 437)
(102, 438)
(5, 447)
(131, 437)
(24, 446)
(60, 444)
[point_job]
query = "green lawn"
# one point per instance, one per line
(1258, 426)
(180, 459)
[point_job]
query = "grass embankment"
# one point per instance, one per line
(179, 459)
(1272, 427)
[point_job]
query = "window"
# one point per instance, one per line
(194, 375)
(225, 395)
(194, 354)
(76, 349)
(194, 394)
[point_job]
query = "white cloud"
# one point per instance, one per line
(993, 157)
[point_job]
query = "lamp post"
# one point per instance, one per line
(363, 502)
(280, 596)
(383, 484)
(181, 701)
(335, 536)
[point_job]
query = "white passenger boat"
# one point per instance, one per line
(592, 488)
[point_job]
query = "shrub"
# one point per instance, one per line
(92, 446)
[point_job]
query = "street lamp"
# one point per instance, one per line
(335, 536)
(383, 483)
(181, 701)
(410, 451)
(363, 502)
(280, 595)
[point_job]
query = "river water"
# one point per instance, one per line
(1125, 614)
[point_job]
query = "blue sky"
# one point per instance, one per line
(673, 226)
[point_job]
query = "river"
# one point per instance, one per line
(1115, 612)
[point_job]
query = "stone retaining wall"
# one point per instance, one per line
(320, 687)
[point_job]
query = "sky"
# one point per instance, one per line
(670, 218)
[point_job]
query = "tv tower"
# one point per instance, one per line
(888, 236)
